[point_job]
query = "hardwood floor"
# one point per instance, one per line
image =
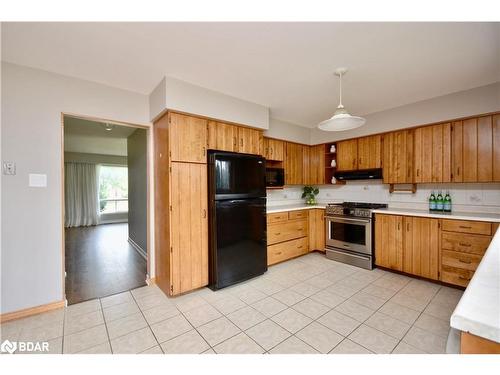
(101, 262)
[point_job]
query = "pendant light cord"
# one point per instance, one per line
(340, 87)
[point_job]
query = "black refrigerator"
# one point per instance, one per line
(237, 225)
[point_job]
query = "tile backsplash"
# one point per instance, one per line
(465, 197)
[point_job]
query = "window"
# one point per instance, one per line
(113, 189)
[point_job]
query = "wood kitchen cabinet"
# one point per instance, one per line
(274, 149)
(370, 152)
(398, 157)
(249, 141)
(187, 138)
(421, 247)
(496, 148)
(475, 155)
(222, 136)
(188, 227)
(294, 164)
(389, 241)
(347, 155)
(432, 158)
(317, 229)
(316, 168)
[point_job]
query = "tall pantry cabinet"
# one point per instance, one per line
(181, 203)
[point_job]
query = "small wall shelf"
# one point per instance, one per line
(329, 170)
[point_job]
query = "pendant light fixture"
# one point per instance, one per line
(341, 119)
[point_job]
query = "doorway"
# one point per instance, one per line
(105, 208)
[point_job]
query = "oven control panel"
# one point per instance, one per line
(338, 210)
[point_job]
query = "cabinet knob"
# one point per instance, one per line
(204, 213)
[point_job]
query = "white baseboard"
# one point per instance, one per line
(139, 249)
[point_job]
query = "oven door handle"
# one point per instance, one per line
(348, 220)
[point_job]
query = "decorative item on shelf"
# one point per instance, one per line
(332, 148)
(310, 192)
(334, 180)
(333, 163)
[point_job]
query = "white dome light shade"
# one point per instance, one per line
(341, 120)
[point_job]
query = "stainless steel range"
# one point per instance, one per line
(349, 233)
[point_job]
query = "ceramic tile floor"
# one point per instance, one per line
(306, 305)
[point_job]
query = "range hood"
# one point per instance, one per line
(367, 174)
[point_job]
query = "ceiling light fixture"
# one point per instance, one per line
(341, 119)
(108, 127)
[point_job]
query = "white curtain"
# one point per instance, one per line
(81, 194)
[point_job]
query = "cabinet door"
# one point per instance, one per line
(347, 155)
(496, 148)
(421, 247)
(398, 157)
(223, 137)
(469, 144)
(457, 152)
(187, 138)
(317, 165)
(389, 241)
(188, 227)
(432, 162)
(249, 141)
(274, 149)
(306, 155)
(317, 229)
(369, 152)
(294, 165)
(485, 149)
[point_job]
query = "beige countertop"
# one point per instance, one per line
(293, 207)
(453, 215)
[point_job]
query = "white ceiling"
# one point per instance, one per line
(91, 137)
(285, 66)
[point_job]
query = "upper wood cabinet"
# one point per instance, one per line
(187, 138)
(398, 157)
(370, 152)
(496, 148)
(274, 149)
(222, 136)
(294, 164)
(389, 241)
(316, 169)
(475, 156)
(432, 153)
(188, 227)
(421, 247)
(249, 141)
(347, 155)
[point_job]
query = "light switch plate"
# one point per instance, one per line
(9, 168)
(37, 180)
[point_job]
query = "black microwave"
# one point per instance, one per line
(275, 177)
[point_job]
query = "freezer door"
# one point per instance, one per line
(239, 243)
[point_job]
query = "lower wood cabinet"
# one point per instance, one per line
(389, 241)
(287, 235)
(421, 247)
(448, 250)
(317, 229)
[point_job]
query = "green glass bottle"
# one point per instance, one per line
(439, 202)
(447, 202)
(432, 202)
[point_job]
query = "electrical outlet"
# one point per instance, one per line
(9, 168)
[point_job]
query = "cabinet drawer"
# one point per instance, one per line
(456, 276)
(277, 217)
(467, 243)
(462, 226)
(303, 214)
(289, 230)
(461, 260)
(286, 250)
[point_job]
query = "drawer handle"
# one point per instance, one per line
(464, 261)
(279, 253)
(299, 247)
(464, 278)
(464, 227)
(277, 234)
(465, 244)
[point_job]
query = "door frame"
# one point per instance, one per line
(149, 165)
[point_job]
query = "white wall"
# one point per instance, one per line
(465, 197)
(32, 103)
(185, 97)
(461, 104)
(287, 131)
